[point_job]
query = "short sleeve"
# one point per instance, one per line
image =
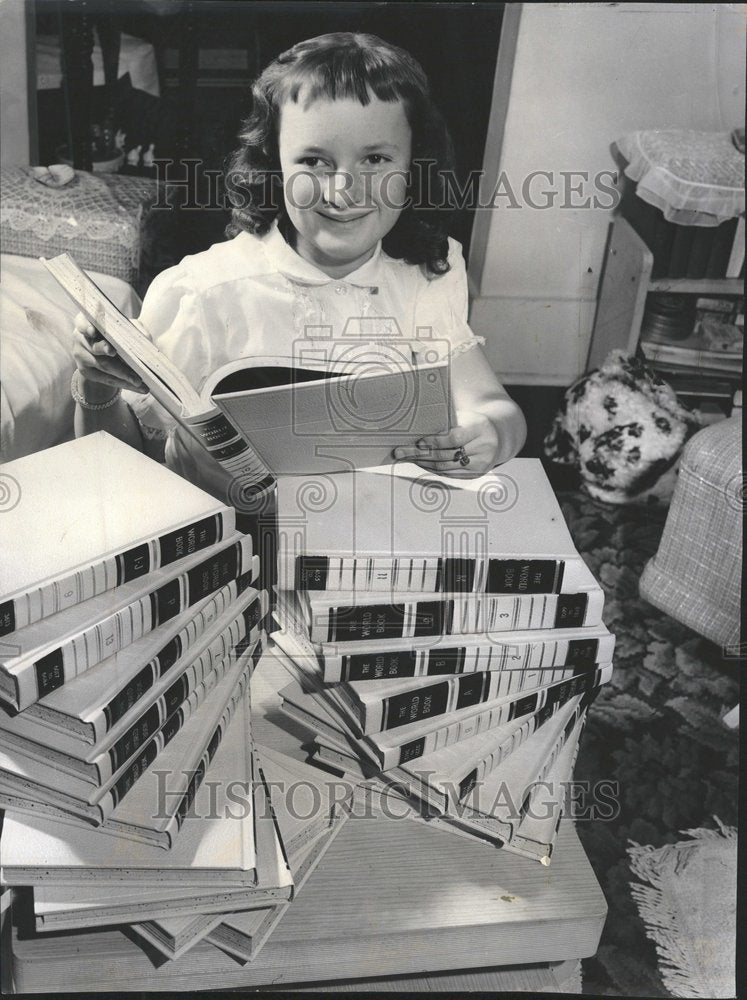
(171, 316)
(442, 307)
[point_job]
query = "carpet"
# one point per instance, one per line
(655, 731)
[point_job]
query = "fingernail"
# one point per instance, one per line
(422, 445)
(399, 453)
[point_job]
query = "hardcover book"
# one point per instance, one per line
(89, 706)
(100, 761)
(242, 935)
(524, 652)
(402, 529)
(382, 705)
(257, 417)
(365, 617)
(60, 907)
(159, 794)
(45, 655)
(216, 848)
(427, 656)
(90, 516)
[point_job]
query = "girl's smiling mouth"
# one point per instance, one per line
(344, 219)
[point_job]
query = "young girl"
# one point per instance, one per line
(354, 248)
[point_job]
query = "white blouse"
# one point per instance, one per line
(254, 296)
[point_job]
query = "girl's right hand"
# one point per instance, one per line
(97, 360)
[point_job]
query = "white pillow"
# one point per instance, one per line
(36, 322)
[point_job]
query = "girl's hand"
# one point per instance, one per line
(475, 438)
(98, 362)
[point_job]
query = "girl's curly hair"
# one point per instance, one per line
(337, 66)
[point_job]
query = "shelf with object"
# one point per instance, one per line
(627, 282)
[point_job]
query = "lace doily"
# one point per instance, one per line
(89, 207)
(695, 178)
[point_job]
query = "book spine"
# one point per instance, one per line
(251, 479)
(391, 755)
(215, 739)
(437, 575)
(235, 639)
(505, 819)
(174, 724)
(490, 762)
(161, 739)
(442, 698)
(128, 696)
(121, 765)
(114, 570)
(449, 616)
(35, 678)
(373, 664)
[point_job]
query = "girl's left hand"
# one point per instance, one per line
(475, 438)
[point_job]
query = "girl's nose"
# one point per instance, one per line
(342, 189)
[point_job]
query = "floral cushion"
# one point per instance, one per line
(623, 427)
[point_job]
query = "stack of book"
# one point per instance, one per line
(446, 639)
(130, 626)
(697, 347)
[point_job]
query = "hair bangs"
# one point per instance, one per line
(349, 67)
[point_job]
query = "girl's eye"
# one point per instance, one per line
(377, 158)
(310, 161)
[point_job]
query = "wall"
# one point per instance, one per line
(15, 145)
(582, 75)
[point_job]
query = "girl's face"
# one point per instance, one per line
(344, 170)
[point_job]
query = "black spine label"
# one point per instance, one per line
(472, 690)
(50, 673)
(571, 610)
(522, 576)
(133, 563)
(311, 572)
(7, 617)
(582, 652)
(253, 615)
(133, 772)
(372, 621)
(412, 706)
(189, 796)
(212, 574)
(129, 695)
(172, 727)
(168, 656)
(411, 750)
(166, 602)
(231, 450)
(429, 617)
(524, 706)
(130, 742)
(445, 661)
(176, 694)
(467, 783)
(215, 743)
(458, 575)
(215, 431)
(191, 538)
(378, 666)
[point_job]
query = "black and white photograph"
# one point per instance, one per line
(371, 497)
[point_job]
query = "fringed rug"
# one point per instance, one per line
(687, 897)
(655, 732)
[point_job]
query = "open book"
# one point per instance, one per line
(263, 416)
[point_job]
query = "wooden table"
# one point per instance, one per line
(391, 897)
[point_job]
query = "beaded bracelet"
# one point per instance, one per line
(80, 399)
